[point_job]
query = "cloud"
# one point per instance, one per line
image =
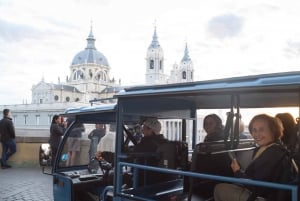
(225, 26)
(292, 49)
(13, 32)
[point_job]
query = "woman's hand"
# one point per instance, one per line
(235, 165)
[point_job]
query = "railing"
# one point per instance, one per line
(292, 188)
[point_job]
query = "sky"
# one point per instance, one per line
(225, 38)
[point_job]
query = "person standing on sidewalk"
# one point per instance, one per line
(57, 130)
(7, 133)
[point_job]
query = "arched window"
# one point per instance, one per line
(101, 76)
(183, 75)
(68, 99)
(151, 64)
(78, 75)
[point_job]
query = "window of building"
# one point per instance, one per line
(183, 75)
(101, 76)
(56, 97)
(78, 75)
(37, 119)
(14, 118)
(50, 118)
(25, 119)
(160, 65)
(68, 99)
(77, 99)
(41, 101)
(151, 64)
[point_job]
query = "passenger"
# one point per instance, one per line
(150, 141)
(266, 131)
(289, 130)
(213, 126)
(138, 133)
(57, 130)
(151, 136)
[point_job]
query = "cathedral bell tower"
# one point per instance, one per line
(155, 62)
(186, 69)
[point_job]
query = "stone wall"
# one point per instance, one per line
(27, 154)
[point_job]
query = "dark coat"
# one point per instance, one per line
(7, 129)
(264, 168)
(214, 137)
(149, 143)
(56, 131)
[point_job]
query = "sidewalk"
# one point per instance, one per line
(25, 184)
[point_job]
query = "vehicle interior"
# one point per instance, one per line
(241, 96)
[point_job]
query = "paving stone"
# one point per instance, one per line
(25, 184)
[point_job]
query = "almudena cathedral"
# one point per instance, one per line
(90, 79)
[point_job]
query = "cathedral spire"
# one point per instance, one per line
(91, 40)
(186, 56)
(154, 43)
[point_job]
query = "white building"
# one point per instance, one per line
(155, 66)
(90, 79)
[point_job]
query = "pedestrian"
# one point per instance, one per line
(95, 137)
(57, 130)
(7, 132)
(74, 141)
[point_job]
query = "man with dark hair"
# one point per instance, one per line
(7, 133)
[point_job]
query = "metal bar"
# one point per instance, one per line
(292, 188)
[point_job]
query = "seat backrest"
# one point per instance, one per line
(244, 157)
(216, 162)
(213, 157)
(173, 155)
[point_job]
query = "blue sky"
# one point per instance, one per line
(225, 38)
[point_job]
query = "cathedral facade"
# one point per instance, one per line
(89, 79)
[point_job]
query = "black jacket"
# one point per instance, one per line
(264, 168)
(56, 131)
(216, 136)
(149, 143)
(7, 130)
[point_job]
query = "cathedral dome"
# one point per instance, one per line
(90, 54)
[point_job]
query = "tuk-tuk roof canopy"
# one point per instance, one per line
(89, 109)
(265, 90)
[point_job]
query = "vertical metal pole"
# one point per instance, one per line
(118, 149)
(183, 130)
(194, 135)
